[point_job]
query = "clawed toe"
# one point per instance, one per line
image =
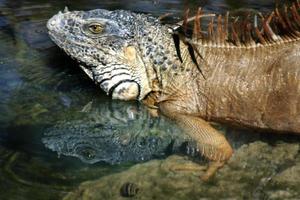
(212, 169)
(207, 172)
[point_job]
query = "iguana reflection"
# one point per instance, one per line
(116, 132)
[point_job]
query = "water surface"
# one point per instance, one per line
(41, 87)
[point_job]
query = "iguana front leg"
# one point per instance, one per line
(212, 144)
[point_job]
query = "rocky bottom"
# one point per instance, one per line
(256, 171)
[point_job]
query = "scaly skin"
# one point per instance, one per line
(257, 87)
(133, 57)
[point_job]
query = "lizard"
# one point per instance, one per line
(243, 72)
(116, 133)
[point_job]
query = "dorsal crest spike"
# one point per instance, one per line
(248, 29)
(267, 29)
(280, 19)
(257, 31)
(287, 19)
(255, 21)
(185, 21)
(211, 29)
(292, 26)
(235, 37)
(244, 30)
(220, 30)
(226, 25)
(248, 33)
(162, 17)
(295, 14)
(197, 24)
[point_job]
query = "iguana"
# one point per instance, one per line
(117, 132)
(242, 71)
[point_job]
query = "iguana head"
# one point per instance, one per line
(107, 44)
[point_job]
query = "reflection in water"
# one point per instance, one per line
(42, 89)
(117, 132)
(114, 133)
(35, 34)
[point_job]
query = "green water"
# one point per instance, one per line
(40, 87)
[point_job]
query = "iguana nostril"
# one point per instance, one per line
(52, 23)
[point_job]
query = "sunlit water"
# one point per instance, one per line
(50, 111)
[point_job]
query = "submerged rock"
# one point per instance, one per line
(256, 171)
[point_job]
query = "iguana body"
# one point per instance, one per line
(256, 87)
(227, 76)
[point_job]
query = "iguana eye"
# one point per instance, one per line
(96, 28)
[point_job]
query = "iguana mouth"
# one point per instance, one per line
(52, 25)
